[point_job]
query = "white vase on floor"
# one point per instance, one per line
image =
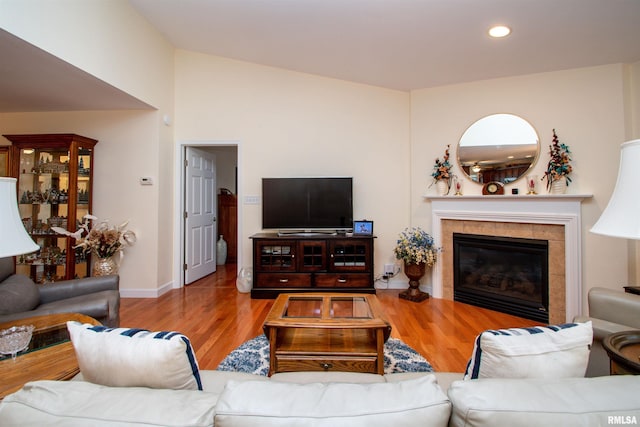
(221, 254)
(244, 281)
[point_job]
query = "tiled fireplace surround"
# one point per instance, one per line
(555, 218)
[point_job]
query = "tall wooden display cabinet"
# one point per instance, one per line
(55, 188)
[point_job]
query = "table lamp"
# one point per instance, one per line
(621, 217)
(14, 239)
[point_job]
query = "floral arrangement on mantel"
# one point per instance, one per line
(415, 246)
(103, 240)
(559, 165)
(442, 169)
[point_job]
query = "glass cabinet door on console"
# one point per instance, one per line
(54, 173)
(276, 256)
(349, 255)
(313, 255)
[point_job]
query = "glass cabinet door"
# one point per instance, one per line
(43, 188)
(83, 206)
(349, 255)
(4, 161)
(276, 256)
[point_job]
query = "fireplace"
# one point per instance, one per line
(506, 274)
(555, 218)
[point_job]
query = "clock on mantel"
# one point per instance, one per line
(493, 188)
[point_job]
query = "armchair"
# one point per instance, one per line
(610, 311)
(98, 297)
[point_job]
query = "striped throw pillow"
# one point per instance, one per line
(554, 351)
(121, 357)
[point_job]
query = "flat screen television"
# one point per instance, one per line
(307, 204)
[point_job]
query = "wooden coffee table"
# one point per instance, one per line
(50, 355)
(326, 332)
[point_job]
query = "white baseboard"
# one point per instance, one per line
(391, 284)
(155, 293)
(399, 284)
(146, 293)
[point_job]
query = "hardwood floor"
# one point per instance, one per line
(217, 319)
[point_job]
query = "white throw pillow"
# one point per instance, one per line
(555, 351)
(121, 357)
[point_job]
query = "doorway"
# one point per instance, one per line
(200, 214)
(228, 175)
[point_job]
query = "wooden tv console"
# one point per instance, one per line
(314, 263)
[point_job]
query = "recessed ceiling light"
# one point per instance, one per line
(499, 31)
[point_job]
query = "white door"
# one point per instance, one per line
(200, 226)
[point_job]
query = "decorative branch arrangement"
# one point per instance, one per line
(559, 164)
(442, 169)
(104, 240)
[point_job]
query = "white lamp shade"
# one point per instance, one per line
(621, 217)
(14, 239)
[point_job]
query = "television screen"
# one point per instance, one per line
(307, 204)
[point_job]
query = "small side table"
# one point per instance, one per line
(632, 290)
(623, 349)
(50, 356)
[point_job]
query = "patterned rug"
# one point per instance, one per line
(253, 357)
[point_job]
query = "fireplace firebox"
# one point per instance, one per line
(505, 274)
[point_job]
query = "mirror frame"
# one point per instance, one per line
(499, 166)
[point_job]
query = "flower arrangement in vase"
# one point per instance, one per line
(416, 248)
(558, 168)
(442, 173)
(103, 240)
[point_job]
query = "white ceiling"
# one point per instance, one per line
(404, 44)
(397, 44)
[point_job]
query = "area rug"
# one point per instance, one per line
(253, 357)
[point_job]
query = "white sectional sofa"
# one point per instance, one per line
(331, 399)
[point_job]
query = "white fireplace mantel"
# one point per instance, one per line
(530, 209)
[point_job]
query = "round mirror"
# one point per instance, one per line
(500, 147)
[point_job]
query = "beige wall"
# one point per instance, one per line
(585, 106)
(105, 38)
(120, 160)
(111, 41)
(227, 160)
(293, 124)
